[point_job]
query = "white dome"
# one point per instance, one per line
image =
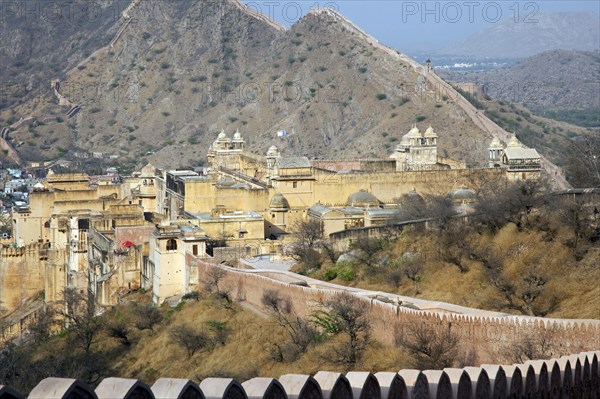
(430, 133)
(273, 151)
(222, 135)
(414, 132)
(514, 142)
(495, 143)
(237, 135)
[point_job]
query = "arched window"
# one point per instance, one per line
(171, 244)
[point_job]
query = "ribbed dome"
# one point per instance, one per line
(413, 196)
(362, 199)
(279, 202)
(237, 136)
(222, 135)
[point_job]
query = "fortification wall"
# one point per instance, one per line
(11, 153)
(21, 275)
(575, 376)
(485, 333)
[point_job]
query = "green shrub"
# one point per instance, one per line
(381, 96)
(347, 274)
(330, 274)
(195, 295)
(420, 118)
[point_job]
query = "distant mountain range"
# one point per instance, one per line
(530, 36)
(559, 83)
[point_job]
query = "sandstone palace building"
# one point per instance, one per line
(146, 230)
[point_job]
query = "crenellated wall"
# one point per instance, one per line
(574, 376)
(484, 333)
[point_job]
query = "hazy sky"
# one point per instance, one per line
(407, 24)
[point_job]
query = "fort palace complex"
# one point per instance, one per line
(146, 230)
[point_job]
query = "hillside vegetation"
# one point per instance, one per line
(205, 336)
(521, 252)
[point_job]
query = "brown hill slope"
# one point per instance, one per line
(171, 83)
(560, 83)
(42, 40)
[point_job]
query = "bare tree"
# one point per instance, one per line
(528, 295)
(329, 249)
(299, 332)
(511, 203)
(413, 268)
(214, 280)
(348, 316)
(583, 163)
(395, 275)
(84, 326)
(43, 325)
(190, 339)
(308, 236)
(432, 348)
(575, 214)
(441, 209)
(147, 316)
(368, 250)
(454, 244)
(80, 318)
(539, 344)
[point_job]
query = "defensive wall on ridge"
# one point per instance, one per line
(484, 334)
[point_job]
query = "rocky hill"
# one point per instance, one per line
(531, 33)
(41, 41)
(186, 70)
(558, 83)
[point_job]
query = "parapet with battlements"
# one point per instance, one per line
(573, 376)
